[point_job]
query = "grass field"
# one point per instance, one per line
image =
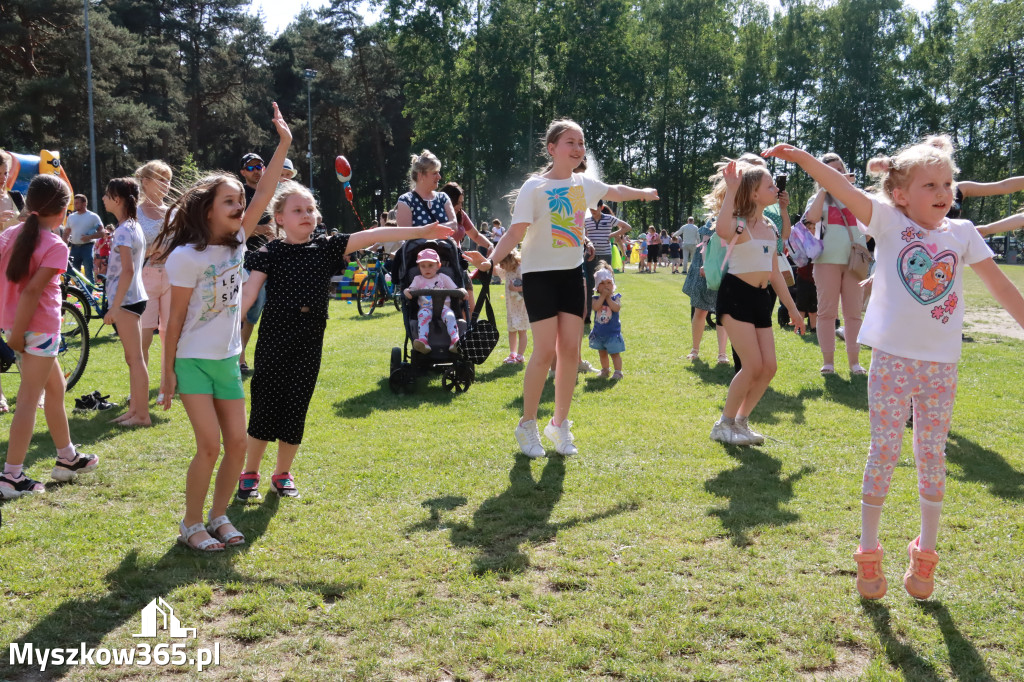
(423, 548)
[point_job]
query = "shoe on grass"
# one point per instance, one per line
(13, 488)
(248, 486)
(64, 470)
(871, 581)
(585, 367)
(743, 426)
(562, 437)
(919, 580)
(528, 438)
(284, 485)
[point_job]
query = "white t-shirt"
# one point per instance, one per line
(917, 307)
(556, 211)
(83, 225)
(128, 233)
(213, 323)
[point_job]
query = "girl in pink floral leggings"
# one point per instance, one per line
(913, 323)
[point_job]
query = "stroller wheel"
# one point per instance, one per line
(396, 358)
(457, 378)
(402, 379)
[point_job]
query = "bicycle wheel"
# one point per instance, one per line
(80, 300)
(73, 353)
(366, 298)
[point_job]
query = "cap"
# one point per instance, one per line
(602, 276)
(249, 158)
(288, 165)
(428, 255)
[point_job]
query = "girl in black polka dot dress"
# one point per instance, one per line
(297, 270)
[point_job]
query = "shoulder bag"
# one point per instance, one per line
(482, 335)
(861, 259)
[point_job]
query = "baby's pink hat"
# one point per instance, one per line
(428, 255)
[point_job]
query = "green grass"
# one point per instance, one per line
(424, 549)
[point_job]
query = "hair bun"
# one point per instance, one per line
(879, 165)
(941, 142)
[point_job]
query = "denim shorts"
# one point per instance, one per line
(610, 344)
(252, 316)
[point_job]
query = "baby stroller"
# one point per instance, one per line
(407, 365)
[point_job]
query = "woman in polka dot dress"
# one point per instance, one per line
(296, 270)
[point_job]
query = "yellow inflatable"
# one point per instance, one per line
(27, 166)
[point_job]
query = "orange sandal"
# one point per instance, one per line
(919, 580)
(871, 581)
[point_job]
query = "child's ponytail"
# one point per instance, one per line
(895, 171)
(47, 196)
(126, 189)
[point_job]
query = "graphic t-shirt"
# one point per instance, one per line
(606, 321)
(440, 281)
(213, 323)
(50, 252)
(128, 233)
(556, 211)
(917, 309)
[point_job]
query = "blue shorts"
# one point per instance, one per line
(611, 344)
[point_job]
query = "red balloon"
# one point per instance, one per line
(343, 168)
(348, 192)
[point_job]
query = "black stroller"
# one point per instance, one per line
(407, 365)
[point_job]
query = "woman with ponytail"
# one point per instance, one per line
(32, 256)
(126, 295)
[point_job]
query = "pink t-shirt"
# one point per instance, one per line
(50, 252)
(440, 281)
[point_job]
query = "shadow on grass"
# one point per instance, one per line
(981, 465)
(383, 399)
(712, 374)
(436, 505)
(964, 659)
(595, 384)
(546, 396)
(852, 392)
(774, 403)
(755, 490)
(500, 372)
(132, 585)
(521, 514)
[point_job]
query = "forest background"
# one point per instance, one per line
(663, 89)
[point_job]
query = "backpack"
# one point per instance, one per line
(716, 257)
(804, 246)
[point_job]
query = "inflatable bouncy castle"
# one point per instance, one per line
(27, 166)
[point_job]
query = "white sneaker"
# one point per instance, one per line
(743, 426)
(528, 438)
(729, 434)
(562, 437)
(841, 333)
(585, 368)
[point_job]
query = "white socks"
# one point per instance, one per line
(870, 517)
(930, 513)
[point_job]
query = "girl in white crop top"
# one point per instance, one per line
(741, 193)
(753, 255)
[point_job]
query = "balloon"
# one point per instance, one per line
(348, 191)
(343, 168)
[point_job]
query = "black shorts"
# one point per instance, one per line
(549, 292)
(653, 251)
(745, 303)
(136, 308)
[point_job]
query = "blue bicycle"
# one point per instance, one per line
(377, 288)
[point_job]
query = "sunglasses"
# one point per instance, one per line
(254, 167)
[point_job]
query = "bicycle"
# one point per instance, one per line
(377, 288)
(88, 296)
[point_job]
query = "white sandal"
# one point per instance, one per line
(226, 538)
(694, 354)
(204, 546)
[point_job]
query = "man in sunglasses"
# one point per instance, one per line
(251, 172)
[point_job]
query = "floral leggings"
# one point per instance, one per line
(892, 383)
(426, 314)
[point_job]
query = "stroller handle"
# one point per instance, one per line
(434, 293)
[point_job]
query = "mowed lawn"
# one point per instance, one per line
(424, 548)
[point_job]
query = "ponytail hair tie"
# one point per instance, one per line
(35, 213)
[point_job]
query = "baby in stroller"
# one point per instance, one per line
(430, 277)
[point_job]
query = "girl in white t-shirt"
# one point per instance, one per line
(205, 243)
(126, 295)
(548, 217)
(913, 324)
